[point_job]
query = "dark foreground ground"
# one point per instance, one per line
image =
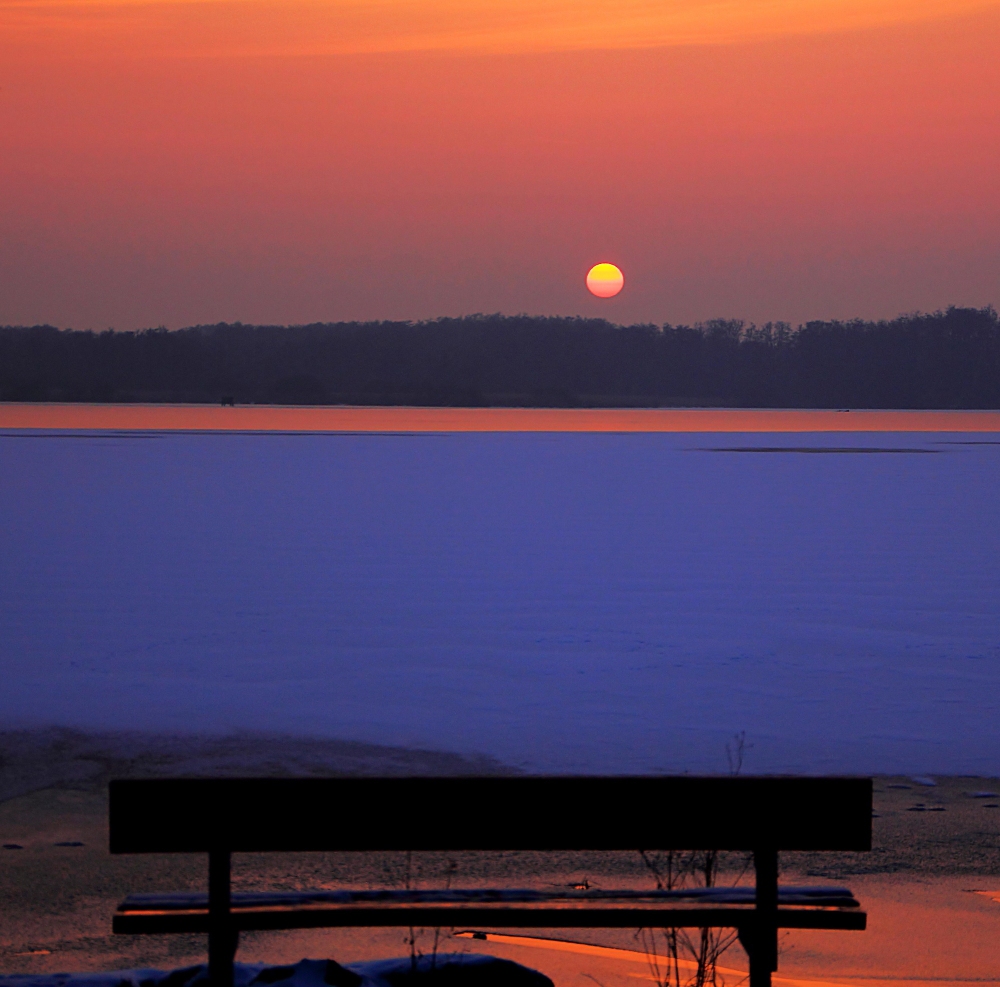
(934, 845)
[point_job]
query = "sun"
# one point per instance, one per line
(605, 280)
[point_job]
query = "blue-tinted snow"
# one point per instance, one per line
(562, 602)
(458, 969)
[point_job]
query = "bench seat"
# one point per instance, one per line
(798, 907)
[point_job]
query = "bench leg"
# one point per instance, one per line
(764, 940)
(222, 938)
(760, 975)
(760, 961)
(221, 954)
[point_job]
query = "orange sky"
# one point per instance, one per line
(205, 160)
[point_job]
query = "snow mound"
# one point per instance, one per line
(443, 970)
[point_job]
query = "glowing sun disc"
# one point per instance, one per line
(605, 280)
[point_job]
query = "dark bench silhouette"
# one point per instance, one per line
(225, 816)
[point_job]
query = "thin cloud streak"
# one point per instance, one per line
(308, 27)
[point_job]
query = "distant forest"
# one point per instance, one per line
(943, 360)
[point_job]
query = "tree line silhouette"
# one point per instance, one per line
(947, 359)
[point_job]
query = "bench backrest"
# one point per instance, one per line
(490, 813)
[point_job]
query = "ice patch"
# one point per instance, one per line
(568, 603)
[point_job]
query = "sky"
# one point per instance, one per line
(290, 161)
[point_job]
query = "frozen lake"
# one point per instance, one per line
(563, 602)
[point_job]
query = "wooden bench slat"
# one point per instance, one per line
(826, 897)
(513, 917)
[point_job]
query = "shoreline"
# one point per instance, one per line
(948, 824)
(61, 886)
(61, 889)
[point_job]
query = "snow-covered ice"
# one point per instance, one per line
(562, 602)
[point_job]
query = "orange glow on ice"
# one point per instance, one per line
(270, 418)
